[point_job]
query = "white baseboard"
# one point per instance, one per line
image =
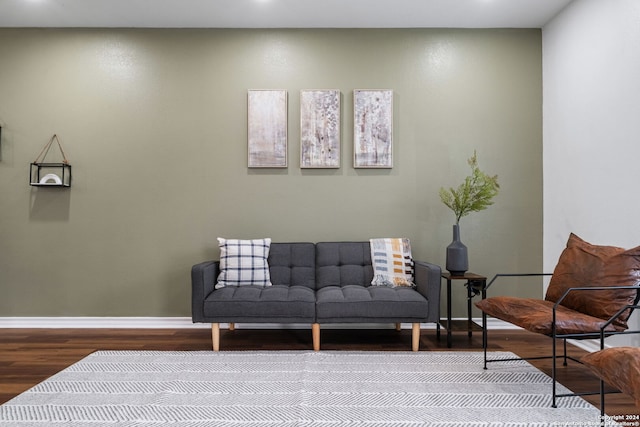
(588, 345)
(100, 322)
(185, 322)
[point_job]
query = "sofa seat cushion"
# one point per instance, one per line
(355, 303)
(257, 303)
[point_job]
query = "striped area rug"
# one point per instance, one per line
(295, 388)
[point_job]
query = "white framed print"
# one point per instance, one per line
(267, 128)
(372, 128)
(320, 128)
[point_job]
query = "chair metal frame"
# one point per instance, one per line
(601, 334)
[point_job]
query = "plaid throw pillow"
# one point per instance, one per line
(392, 262)
(243, 262)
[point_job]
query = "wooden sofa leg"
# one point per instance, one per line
(315, 333)
(215, 336)
(415, 337)
(398, 327)
(232, 326)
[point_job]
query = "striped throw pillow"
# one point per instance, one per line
(392, 262)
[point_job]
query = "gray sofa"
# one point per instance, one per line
(321, 283)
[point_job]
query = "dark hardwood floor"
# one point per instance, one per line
(29, 356)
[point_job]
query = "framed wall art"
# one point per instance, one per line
(320, 129)
(267, 128)
(373, 128)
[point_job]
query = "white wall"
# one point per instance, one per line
(591, 130)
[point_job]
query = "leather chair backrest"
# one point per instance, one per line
(583, 264)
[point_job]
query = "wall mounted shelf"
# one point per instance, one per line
(43, 174)
(50, 175)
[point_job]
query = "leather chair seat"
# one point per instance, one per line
(537, 315)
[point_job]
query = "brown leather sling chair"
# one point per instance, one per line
(588, 287)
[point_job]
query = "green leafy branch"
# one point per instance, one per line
(474, 194)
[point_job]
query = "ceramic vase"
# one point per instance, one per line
(457, 257)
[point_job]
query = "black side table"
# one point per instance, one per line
(475, 284)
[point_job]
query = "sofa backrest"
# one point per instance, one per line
(343, 263)
(293, 264)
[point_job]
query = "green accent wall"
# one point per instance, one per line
(154, 124)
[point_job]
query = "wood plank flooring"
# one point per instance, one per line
(29, 356)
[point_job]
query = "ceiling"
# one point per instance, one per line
(280, 13)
